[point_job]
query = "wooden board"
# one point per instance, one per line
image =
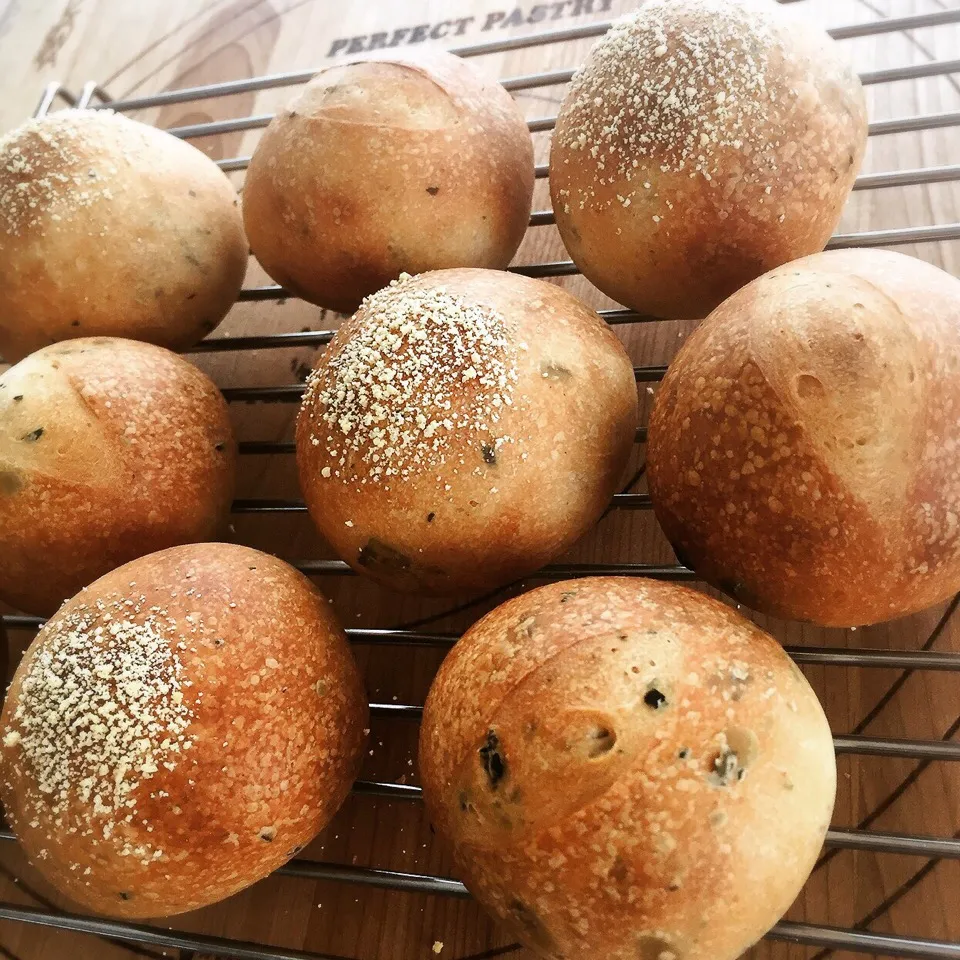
(153, 45)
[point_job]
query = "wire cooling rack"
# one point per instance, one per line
(927, 849)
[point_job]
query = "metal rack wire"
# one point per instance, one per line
(926, 659)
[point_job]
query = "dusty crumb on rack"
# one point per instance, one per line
(437, 946)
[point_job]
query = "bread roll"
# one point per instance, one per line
(109, 449)
(463, 428)
(179, 729)
(402, 163)
(627, 769)
(109, 227)
(4, 654)
(802, 449)
(702, 143)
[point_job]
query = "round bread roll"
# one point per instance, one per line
(464, 428)
(802, 449)
(4, 654)
(627, 769)
(109, 449)
(180, 729)
(702, 143)
(388, 165)
(109, 227)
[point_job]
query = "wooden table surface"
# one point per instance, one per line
(142, 47)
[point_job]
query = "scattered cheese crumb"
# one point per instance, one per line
(101, 709)
(52, 176)
(416, 364)
(678, 91)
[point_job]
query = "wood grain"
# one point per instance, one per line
(154, 45)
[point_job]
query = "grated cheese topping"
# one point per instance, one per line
(675, 86)
(414, 367)
(53, 166)
(101, 710)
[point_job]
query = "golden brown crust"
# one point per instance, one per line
(507, 452)
(4, 652)
(109, 227)
(109, 449)
(801, 451)
(582, 749)
(384, 166)
(249, 747)
(702, 143)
